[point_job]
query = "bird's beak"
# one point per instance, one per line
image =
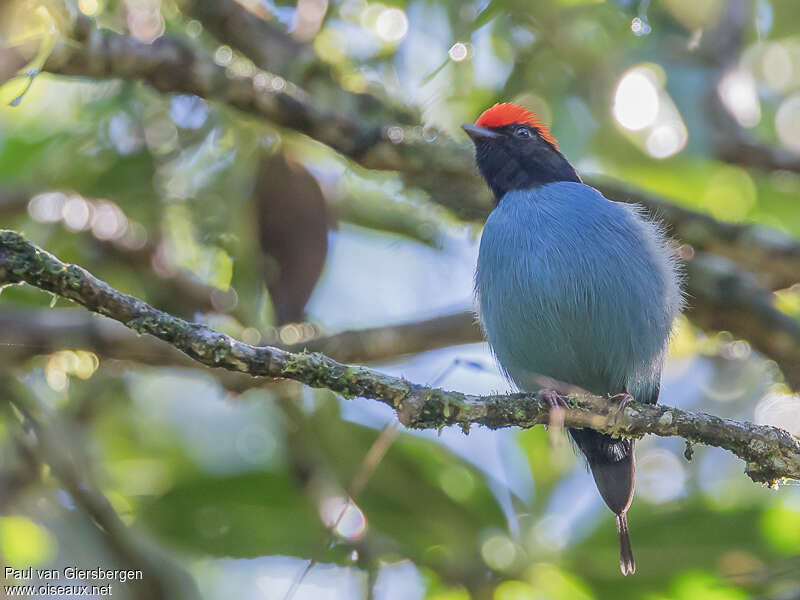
(479, 133)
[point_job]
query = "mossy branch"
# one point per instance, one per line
(770, 453)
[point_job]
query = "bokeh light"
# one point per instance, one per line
(499, 552)
(737, 90)
(47, 207)
(223, 56)
(730, 193)
(145, 20)
(660, 476)
(187, 111)
(308, 18)
(25, 543)
(780, 525)
(636, 100)
(781, 410)
(89, 7)
(124, 134)
(65, 363)
(640, 26)
(787, 123)
(666, 139)
(647, 114)
(515, 590)
(391, 25)
(551, 582)
(457, 482)
(104, 218)
(76, 213)
(777, 66)
(343, 516)
(458, 52)
(194, 28)
(108, 221)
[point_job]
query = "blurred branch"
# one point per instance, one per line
(732, 143)
(15, 480)
(722, 48)
(770, 453)
(381, 343)
(725, 294)
(271, 48)
(736, 147)
(28, 333)
(161, 577)
(263, 42)
(12, 202)
(171, 65)
(423, 221)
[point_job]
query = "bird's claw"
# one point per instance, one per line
(557, 406)
(553, 398)
(623, 398)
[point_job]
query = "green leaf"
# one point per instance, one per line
(243, 516)
(780, 525)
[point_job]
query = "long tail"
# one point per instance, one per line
(626, 562)
(612, 465)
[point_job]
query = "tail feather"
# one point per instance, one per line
(612, 464)
(626, 562)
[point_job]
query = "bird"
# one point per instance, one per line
(571, 287)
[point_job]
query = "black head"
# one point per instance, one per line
(515, 151)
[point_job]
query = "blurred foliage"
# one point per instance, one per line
(155, 194)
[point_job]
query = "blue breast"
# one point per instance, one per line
(577, 288)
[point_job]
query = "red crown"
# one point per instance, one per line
(505, 113)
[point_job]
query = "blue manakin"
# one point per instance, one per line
(571, 287)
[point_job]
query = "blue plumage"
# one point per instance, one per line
(577, 288)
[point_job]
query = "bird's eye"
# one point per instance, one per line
(522, 132)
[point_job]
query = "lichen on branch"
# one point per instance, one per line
(770, 453)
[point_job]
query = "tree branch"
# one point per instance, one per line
(723, 294)
(770, 453)
(271, 48)
(171, 65)
(390, 341)
(265, 43)
(29, 333)
(12, 202)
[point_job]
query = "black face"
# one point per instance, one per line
(516, 157)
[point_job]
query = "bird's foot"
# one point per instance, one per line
(623, 398)
(557, 406)
(553, 398)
